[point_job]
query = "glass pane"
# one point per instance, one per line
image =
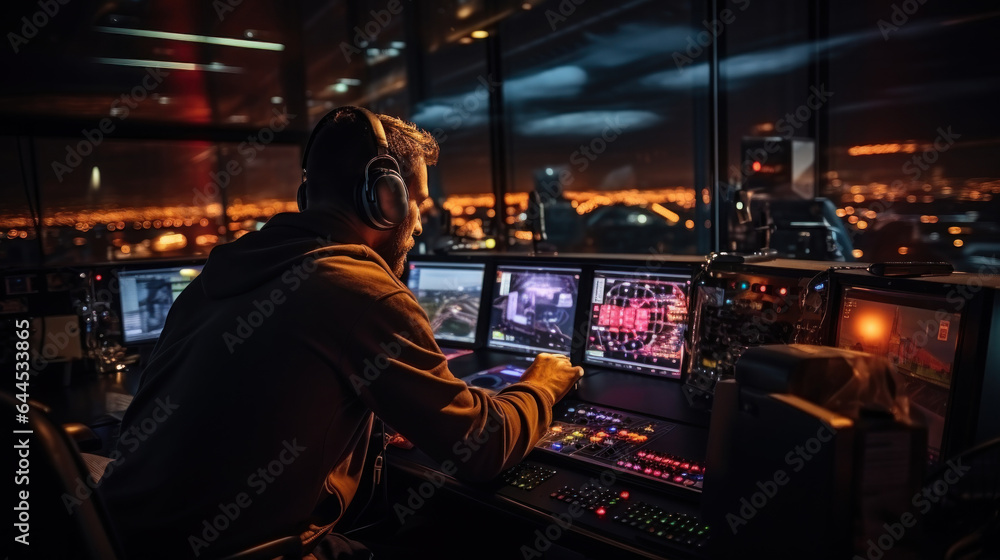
(262, 184)
(186, 62)
(602, 133)
(769, 124)
(913, 131)
(355, 54)
(128, 200)
(455, 109)
(18, 238)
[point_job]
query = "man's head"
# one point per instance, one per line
(335, 167)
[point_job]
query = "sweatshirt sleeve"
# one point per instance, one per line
(398, 371)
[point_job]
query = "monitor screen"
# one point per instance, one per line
(637, 322)
(914, 333)
(533, 309)
(450, 293)
(146, 297)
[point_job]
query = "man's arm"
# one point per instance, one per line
(401, 374)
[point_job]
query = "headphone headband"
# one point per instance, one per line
(374, 126)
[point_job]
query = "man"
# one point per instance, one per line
(253, 417)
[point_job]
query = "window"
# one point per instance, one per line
(18, 237)
(129, 200)
(602, 133)
(913, 131)
(827, 130)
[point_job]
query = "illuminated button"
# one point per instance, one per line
(600, 512)
(641, 454)
(556, 446)
(624, 494)
(678, 479)
(783, 291)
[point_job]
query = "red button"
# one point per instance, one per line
(624, 494)
(600, 512)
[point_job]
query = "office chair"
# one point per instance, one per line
(62, 525)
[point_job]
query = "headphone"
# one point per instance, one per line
(382, 200)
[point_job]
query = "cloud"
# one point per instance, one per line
(587, 123)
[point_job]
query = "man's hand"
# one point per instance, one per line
(553, 373)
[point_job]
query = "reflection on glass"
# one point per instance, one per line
(179, 62)
(912, 154)
(156, 199)
(602, 152)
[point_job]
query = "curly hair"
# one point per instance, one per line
(407, 143)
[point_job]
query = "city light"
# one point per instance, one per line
(875, 149)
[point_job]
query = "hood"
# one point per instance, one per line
(260, 256)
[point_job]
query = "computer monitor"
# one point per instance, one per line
(918, 335)
(450, 293)
(146, 296)
(637, 322)
(533, 309)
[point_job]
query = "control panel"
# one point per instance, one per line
(622, 441)
(607, 505)
(733, 311)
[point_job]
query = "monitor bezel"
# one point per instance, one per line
(499, 266)
(960, 292)
(121, 293)
(683, 276)
(446, 262)
(928, 303)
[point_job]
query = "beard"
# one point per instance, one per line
(393, 251)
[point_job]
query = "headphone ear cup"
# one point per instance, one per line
(383, 199)
(300, 196)
(393, 198)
